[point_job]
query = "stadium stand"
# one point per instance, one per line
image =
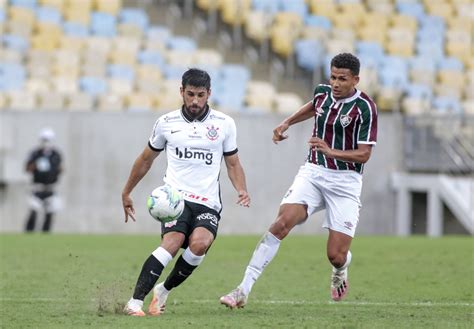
(102, 55)
(420, 35)
(100, 47)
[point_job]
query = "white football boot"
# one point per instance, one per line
(158, 303)
(134, 307)
(339, 285)
(234, 299)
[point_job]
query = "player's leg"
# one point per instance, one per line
(151, 270)
(342, 194)
(339, 256)
(205, 223)
(31, 221)
(199, 242)
(288, 217)
(36, 205)
(51, 204)
(48, 220)
(301, 200)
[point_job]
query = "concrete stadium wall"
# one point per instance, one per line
(99, 150)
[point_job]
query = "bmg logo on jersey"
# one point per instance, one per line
(199, 154)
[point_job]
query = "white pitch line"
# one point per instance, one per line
(255, 301)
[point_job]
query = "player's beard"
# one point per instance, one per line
(195, 111)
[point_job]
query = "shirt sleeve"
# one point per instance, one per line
(368, 128)
(157, 140)
(230, 141)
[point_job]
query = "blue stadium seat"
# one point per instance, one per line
(93, 85)
(318, 21)
(422, 63)
(16, 42)
(12, 76)
(103, 24)
(172, 72)
(424, 35)
(294, 6)
(369, 61)
(3, 16)
(48, 15)
(309, 53)
(24, 3)
(135, 16)
(75, 29)
(372, 48)
(446, 104)
(395, 63)
(419, 91)
(159, 33)
(434, 23)
(430, 50)
(181, 43)
(121, 72)
(411, 9)
(393, 77)
(152, 57)
(268, 6)
(235, 72)
(229, 100)
(450, 63)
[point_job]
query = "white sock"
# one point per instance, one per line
(346, 264)
(135, 303)
(264, 252)
(163, 256)
(191, 258)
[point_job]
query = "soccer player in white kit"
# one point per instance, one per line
(345, 129)
(195, 139)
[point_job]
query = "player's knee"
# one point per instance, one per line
(280, 228)
(336, 258)
(198, 247)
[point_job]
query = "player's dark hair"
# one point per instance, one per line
(196, 78)
(346, 61)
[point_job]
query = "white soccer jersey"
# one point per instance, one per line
(194, 150)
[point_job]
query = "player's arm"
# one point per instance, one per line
(359, 155)
(30, 165)
(140, 167)
(237, 177)
(304, 113)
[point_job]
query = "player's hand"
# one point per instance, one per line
(244, 199)
(278, 132)
(128, 209)
(319, 145)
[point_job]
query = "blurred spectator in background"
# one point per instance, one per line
(44, 164)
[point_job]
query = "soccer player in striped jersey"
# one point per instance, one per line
(345, 130)
(195, 138)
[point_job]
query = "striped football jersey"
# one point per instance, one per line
(343, 124)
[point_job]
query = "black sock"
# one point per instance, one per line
(150, 273)
(180, 272)
(47, 222)
(30, 223)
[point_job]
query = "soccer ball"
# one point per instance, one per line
(165, 204)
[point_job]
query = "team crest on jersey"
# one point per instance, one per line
(212, 133)
(345, 120)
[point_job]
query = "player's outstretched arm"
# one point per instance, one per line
(237, 177)
(140, 167)
(305, 112)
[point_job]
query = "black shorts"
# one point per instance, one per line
(194, 215)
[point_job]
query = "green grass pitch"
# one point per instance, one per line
(83, 281)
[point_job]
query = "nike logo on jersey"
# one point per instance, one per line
(153, 273)
(175, 131)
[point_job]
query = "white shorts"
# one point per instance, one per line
(50, 204)
(337, 191)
